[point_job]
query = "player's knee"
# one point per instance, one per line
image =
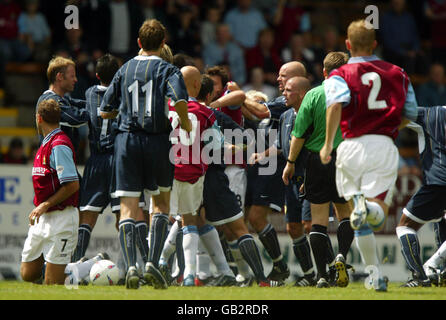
(295, 230)
(28, 275)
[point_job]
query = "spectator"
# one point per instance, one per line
(245, 23)
(186, 38)
(435, 11)
(330, 43)
(399, 36)
(257, 83)
(223, 51)
(32, 154)
(297, 50)
(433, 92)
(288, 19)
(34, 27)
(264, 55)
(12, 48)
(209, 26)
(112, 26)
(16, 152)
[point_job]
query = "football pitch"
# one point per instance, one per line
(14, 290)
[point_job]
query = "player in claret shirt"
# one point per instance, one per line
(52, 235)
(190, 168)
(368, 97)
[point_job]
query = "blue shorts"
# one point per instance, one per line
(142, 163)
(220, 203)
(306, 211)
(96, 184)
(293, 203)
(266, 190)
(427, 205)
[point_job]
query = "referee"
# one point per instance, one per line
(320, 182)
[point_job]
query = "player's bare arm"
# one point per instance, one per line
(257, 109)
(295, 148)
(233, 98)
(270, 152)
(181, 109)
(66, 190)
(334, 113)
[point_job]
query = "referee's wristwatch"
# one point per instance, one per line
(289, 161)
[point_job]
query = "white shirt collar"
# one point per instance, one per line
(147, 58)
(363, 59)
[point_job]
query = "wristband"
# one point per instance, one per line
(289, 161)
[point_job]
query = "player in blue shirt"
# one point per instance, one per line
(139, 92)
(429, 203)
(266, 192)
(61, 75)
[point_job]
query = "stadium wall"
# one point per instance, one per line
(16, 196)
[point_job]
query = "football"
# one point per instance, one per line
(104, 273)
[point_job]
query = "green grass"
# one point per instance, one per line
(355, 291)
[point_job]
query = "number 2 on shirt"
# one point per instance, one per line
(372, 101)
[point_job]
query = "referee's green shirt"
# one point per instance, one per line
(311, 119)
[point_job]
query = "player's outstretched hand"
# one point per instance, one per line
(288, 173)
(325, 154)
(255, 158)
(37, 212)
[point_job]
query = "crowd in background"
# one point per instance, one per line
(252, 38)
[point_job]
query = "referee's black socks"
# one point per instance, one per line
(345, 236)
(318, 240)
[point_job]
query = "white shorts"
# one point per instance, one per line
(238, 181)
(367, 164)
(55, 236)
(185, 197)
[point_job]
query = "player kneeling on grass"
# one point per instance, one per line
(52, 235)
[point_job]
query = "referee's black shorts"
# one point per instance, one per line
(320, 180)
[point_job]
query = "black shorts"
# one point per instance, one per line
(96, 184)
(306, 211)
(293, 202)
(266, 190)
(142, 163)
(427, 205)
(320, 180)
(220, 203)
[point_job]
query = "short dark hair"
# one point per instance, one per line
(182, 60)
(219, 71)
(207, 86)
(106, 67)
(151, 34)
(49, 110)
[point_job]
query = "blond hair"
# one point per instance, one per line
(334, 60)
(58, 65)
(166, 54)
(361, 35)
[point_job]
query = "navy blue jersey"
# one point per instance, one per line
(433, 121)
(283, 142)
(140, 91)
(73, 114)
(102, 131)
(225, 122)
(276, 108)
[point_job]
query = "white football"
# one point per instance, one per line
(104, 273)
